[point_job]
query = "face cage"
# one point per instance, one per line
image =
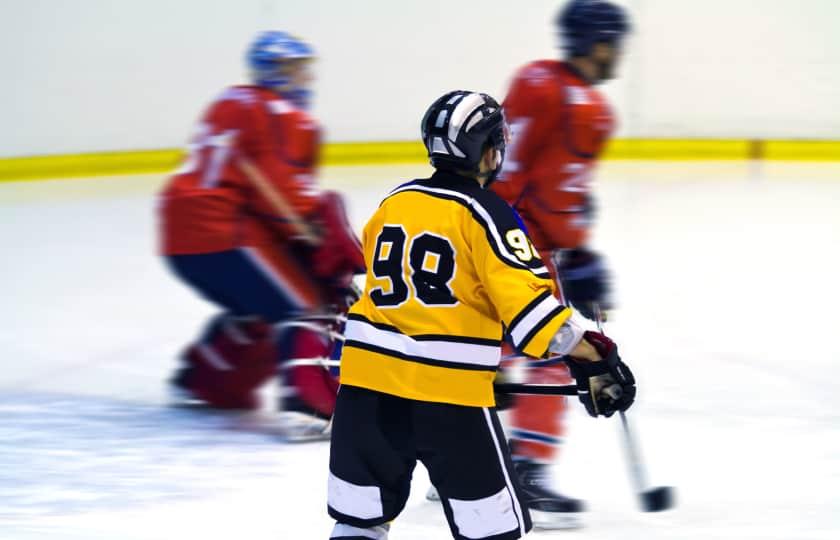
(280, 82)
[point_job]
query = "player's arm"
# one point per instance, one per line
(526, 107)
(286, 195)
(506, 263)
(282, 170)
(518, 284)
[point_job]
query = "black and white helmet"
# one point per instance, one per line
(458, 127)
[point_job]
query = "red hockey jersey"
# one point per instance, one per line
(559, 125)
(211, 204)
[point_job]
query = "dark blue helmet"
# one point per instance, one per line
(583, 23)
(459, 126)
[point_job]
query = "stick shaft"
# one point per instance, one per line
(631, 449)
(536, 389)
(277, 201)
(634, 460)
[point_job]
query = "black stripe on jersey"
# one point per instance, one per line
(515, 263)
(427, 337)
(539, 326)
(419, 359)
(527, 309)
(458, 339)
(381, 326)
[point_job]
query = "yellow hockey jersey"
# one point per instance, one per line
(449, 270)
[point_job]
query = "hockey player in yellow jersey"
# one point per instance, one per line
(451, 272)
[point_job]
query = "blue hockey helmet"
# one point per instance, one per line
(457, 129)
(270, 58)
(583, 23)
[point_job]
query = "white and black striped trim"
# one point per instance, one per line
(533, 318)
(428, 337)
(517, 508)
(483, 217)
(350, 499)
(436, 350)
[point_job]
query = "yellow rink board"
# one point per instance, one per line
(379, 153)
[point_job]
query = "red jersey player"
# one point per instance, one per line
(244, 223)
(559, 125)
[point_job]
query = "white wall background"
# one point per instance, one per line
(89, 75)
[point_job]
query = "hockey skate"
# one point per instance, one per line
(549, 509)
(300, 422)
(180, 393)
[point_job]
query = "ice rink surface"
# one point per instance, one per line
(727, 280)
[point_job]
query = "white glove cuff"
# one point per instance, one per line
(566, 339)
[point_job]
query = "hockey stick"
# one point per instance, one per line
(654, 499)
(304, 231)
(536, 389)
(502, 388)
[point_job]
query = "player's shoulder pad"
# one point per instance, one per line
(246, 95)
(504, 229)
(535, 86)
(400, 188)
(539, 72)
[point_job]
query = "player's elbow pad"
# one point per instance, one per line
(566, 339)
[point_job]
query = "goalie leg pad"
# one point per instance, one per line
(231, 361)
(310, 389)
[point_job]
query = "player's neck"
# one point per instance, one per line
(585, 67)
(481, 180)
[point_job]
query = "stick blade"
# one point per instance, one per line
(658, 499)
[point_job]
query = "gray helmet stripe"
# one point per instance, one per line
(441, 119)
(438, 147)
(456, 98)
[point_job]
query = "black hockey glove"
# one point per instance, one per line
(585, 280)
(607, 386)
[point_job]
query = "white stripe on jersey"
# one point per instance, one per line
(527, 323)
(517, 509)
(445, 351)
(491, 225)
(280, 106)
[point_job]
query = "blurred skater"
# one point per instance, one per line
(559, 125)
(244, 224)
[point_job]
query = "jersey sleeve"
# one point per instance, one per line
(516, 281)
(527, 110)
(282, 146)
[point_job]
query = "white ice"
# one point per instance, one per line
(727, 279)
